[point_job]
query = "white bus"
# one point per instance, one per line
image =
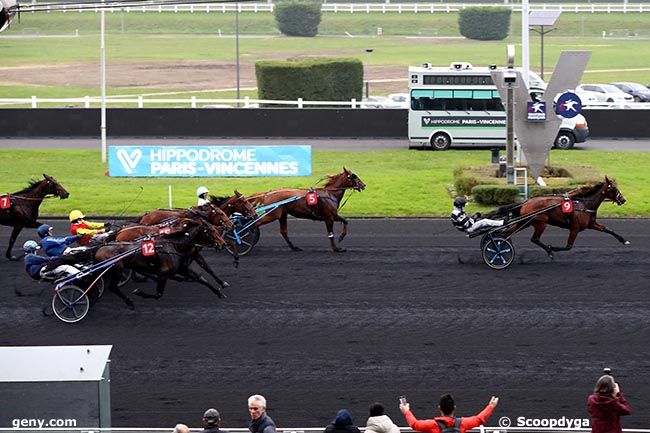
(460, 105)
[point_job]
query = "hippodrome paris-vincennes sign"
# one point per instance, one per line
(209, 161)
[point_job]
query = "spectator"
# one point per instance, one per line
(55, 246)
(342, 423)
(181, 428)
(211, 421)
(606, 406)
(447, 408)
(378, 422)
(260, 421)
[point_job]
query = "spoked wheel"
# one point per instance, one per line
(70, 304)
(498, 253)
(96, 291)
(247, 240)
(126, 276)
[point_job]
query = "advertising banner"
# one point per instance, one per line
(209, 161)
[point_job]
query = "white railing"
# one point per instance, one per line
(247, 102)
(352, 7)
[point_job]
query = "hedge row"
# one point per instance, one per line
(310, 78)
(298, 18)
(490, 23)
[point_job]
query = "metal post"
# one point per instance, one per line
(368, 52)
(103, 82)
(510, 135)
(525, 41)
(541, 63)
(237, 47)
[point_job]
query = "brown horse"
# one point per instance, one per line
(326, 209)
(173, 256)
(24, 204)
(234, 204)
(586, 201)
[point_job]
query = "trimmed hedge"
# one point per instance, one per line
(495, 194)
(491, 23)
(310, 78)
(298, 18)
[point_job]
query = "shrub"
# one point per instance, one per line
(495, 194)
(298, 18)
(490, 23)
(310, 78)
(535, 190)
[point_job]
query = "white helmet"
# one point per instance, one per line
(201, 190)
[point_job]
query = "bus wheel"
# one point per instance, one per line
(440, 141)
(564, 140)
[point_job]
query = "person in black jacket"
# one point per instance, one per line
(211, 421)
(260, 421)
(342, 423)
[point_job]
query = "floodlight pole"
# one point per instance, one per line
(103, 81)
(542, 32)
(237, 47)
(525, 41)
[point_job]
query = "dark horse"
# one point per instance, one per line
(326, 209)
(234, 204)
(586, 201)
(23, 211)
(173, 256)
(210, 213)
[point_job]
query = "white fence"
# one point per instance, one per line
(247, 102)
(347, 7)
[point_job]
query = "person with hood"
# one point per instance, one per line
(447, 407)
(606, 405)
(342, 423)
(378, 422)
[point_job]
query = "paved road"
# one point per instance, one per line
(316, 143)
(398, 313)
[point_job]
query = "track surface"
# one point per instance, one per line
(396, 314)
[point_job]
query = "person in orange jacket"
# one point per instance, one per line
(447, 407)
(87, 229)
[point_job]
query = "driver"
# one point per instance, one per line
(87, 229)
(202, 193)
(465, 223)
(55, 245)
(44, 267)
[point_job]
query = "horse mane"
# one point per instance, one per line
(331, 178)
(585, 190)
(33, 183)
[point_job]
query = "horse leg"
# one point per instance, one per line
(160, 289)
(537, 234)
(601, 228)
(285, 233)
(329, 224)
(113, 287)
(200, 260)
(573, 234)
(344, 232)
(12, 240)
(201, 280)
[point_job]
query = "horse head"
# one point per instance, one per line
(53, 187)
(611, 191)
(353, 181)
(209, 235)
(215, 216)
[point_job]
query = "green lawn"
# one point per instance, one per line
(399, 182)
(179, 37)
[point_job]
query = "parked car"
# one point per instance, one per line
(572, 131)
(639, 92)
(374, 102)
(587, 97)
(606, 92)
(400, 100)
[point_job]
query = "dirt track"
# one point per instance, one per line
(396, 314)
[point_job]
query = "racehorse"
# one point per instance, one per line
(325, 209)
(234, 204)
(210, 213)
(24, 204)
(586, 201)
(173, 255)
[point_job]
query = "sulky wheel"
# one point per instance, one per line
(247, 240)
(498, 253)
(70, 304)
(96, 291)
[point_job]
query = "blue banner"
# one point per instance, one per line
(209, 161)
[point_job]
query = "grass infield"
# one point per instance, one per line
(400, 183)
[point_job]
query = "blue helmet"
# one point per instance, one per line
(44, 230)
(30, 246)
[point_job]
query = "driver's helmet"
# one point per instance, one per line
(44, 230)
(30, 247)
(201, 190)
(75, 215)
(460, 201)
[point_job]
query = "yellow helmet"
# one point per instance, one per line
(75, 215)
